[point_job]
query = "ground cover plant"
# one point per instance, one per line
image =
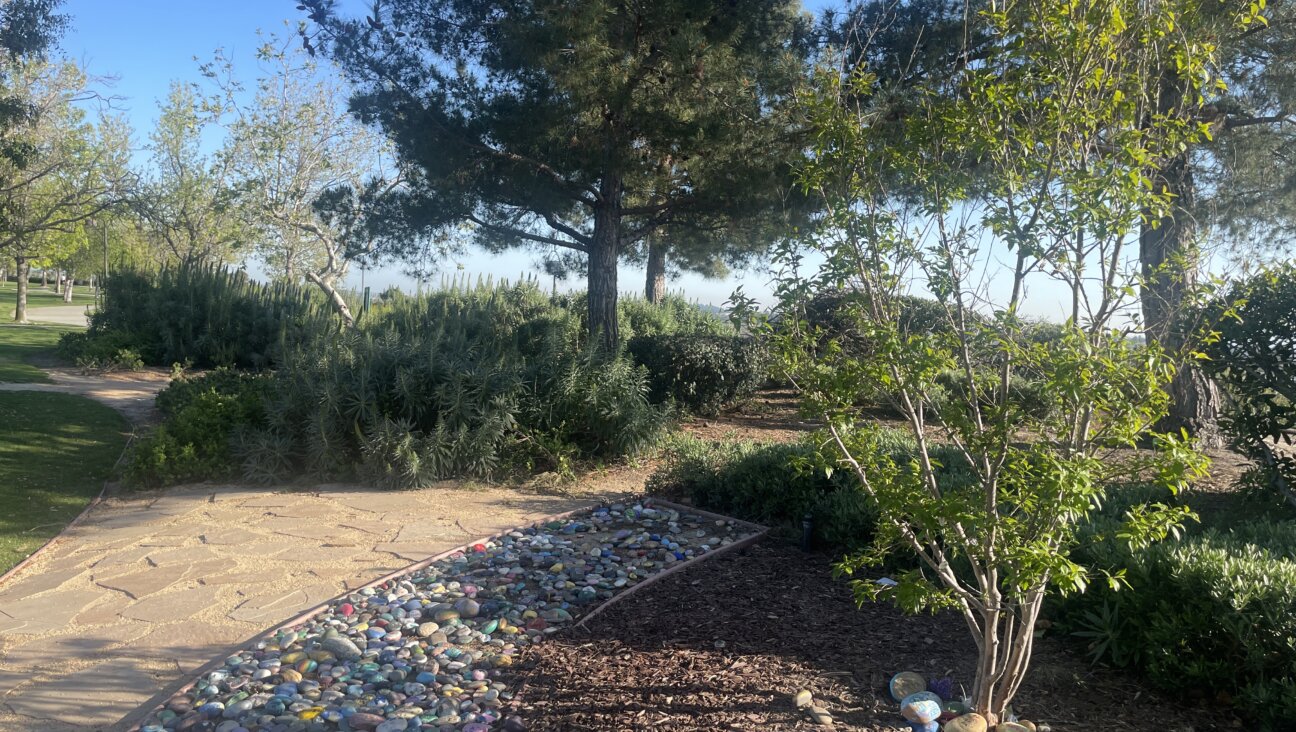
(1043, 145)
(56, 450)
(19, 344)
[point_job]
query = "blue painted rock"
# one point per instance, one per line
(924, 726)
(905, 683)
(921, 696)
(972, 722)
(922, 710)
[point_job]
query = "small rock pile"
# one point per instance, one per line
(931, 707)
(422, 652)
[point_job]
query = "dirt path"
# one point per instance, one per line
(149, 588)
(59, 314)
(130, 393)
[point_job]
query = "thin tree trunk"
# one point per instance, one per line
(602, 270)
(335, 298)
(1170, 261)
(20, 309)
(67, 288)
(44, 278)
(655, 284)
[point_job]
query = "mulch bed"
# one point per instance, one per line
(724, 645)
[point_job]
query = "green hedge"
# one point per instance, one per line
(702, 374)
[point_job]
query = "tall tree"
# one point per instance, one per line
(294, 142)
(1226, 186)
(72, 170)
(188, 200)
(545, 122)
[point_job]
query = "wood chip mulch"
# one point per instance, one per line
(725, 645)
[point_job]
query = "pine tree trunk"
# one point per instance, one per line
(655, 285)
(20, 309)
(602, 269)
(1170, 260)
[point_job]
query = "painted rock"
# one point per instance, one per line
(802, 699)
(924, 726)
(967, 723)
(921, 696)
(922, 710)
(905, 683)
(944, 688)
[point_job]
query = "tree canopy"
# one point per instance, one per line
(580, 126)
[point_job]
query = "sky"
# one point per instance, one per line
(144, 45)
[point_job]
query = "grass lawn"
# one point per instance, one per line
(56, 450)
(19, 344)
(38, 298)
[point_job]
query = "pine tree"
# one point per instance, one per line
(548, 123)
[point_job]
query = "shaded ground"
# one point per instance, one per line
(20, 345)
(725, 644)
(56, 451)
(150, 587)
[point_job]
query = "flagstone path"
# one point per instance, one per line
(148, 588)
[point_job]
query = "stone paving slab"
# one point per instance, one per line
(146, 589)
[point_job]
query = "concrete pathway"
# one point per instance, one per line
(149, 588)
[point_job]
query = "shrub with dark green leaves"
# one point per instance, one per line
(203, 417)
(702, 374)
(1212, 612)
(777, 484)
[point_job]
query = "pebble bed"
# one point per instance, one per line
(423, 651)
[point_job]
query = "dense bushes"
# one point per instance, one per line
(203, 315)
(701, 373)
(203, 416)
(1212, 614)
(479, 382)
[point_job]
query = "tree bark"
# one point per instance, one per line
(335, 298)
(655, 284)
(67, 287)
(1170, 261)
(602, 270)
(44, 278)
(20, 308)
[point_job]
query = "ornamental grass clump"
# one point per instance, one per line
(1005, 182)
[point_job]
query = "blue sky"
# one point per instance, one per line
(146, 44)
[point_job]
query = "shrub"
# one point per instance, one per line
(1213, 613)
(776, 484)
(205, 315)
(701, 373)
(464, 382)
(203, 417)
(109, 352)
